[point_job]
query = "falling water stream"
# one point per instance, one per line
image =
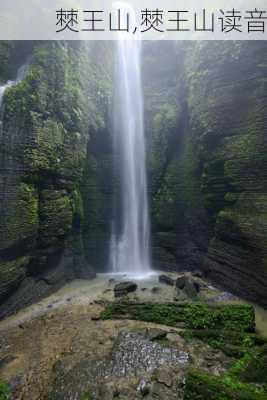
(130, 237)
(20, 75)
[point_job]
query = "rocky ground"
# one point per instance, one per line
(173, 343)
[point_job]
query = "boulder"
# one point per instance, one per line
(180, 282)
(186, 285)
(123, 288)
(191, 289)
(167, 280)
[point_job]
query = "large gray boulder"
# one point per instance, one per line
(123, 288)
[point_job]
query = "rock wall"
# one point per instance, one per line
(47, 120)
(180, 227)
(227, 102)
(208, 152)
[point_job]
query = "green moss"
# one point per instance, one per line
(23, 97)
(244, 147)
(10, 269)
(164, 201)
(239, 365)
(233, 343)
(11, 274)
(254, 368)
(56, 216)
(193, 316)
(57, 108)
(21, 221)
(201, 386)
(5, 391)
(86, 396)
(45, 155)
(165, 122)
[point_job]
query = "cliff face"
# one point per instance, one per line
(47, 120)
(205, 118)
(227, 102)
(180, 226)
(209, 205)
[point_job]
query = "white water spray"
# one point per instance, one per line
(130, 243)
(20, 75)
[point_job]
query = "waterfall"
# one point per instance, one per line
(3, 89)
(129, 248)
(20, 75)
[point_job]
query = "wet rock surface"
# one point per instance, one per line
(137, 367)
(135, 353)
(187, 287)
(180, 282)
(66, 351)
(166, 279)
(123, 288)
(225, 296)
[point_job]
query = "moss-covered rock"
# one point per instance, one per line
(173, 165)
(229, 147)
(11, 274)
(234, 343)
(201, 386)
(208, 168)
(255, 367)
(192, 316)
(5, 391)
(47, 119)
(86, 396)
(20, 220)
(56, 216)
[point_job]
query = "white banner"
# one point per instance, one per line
(134, 19)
